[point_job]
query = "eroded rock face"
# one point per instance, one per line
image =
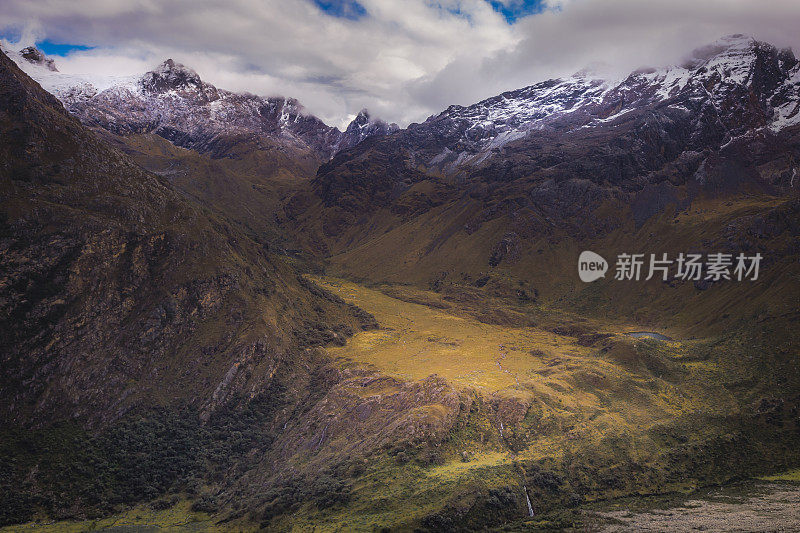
(365, 412)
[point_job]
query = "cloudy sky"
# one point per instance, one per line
(402, 59)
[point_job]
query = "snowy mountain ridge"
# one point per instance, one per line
(719, 80)
(172, 101)
(723, 73)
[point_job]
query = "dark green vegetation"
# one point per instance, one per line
(70, 473)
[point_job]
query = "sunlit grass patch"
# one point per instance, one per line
(789, 475)
(457, 469)
(416, 341)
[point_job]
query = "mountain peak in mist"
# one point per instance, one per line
(37, 57)
(725, 48)
(171, 75)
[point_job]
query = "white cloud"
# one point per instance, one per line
(403, 60)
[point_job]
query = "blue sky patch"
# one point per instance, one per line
(347, 9)
(50, 48)
(59, 49)
(517, 9)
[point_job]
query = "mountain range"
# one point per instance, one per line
(173, 102)
(215, 297)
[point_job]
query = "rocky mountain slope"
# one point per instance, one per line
(726, 120)
(150, 347)
(240, 155)
(111, 280)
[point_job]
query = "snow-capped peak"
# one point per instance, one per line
(361, 120)
(724, 48)
(361, 127)
(726, 75)
(170, 75)
(365, 121)
(172, 101)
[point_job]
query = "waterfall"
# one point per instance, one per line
(527, 500)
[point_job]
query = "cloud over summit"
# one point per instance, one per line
(402, 60)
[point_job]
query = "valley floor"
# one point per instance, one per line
(571, 410)
(591, 377)
(747, 507)
(416, 340)
(567, 392)
(762, 506)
